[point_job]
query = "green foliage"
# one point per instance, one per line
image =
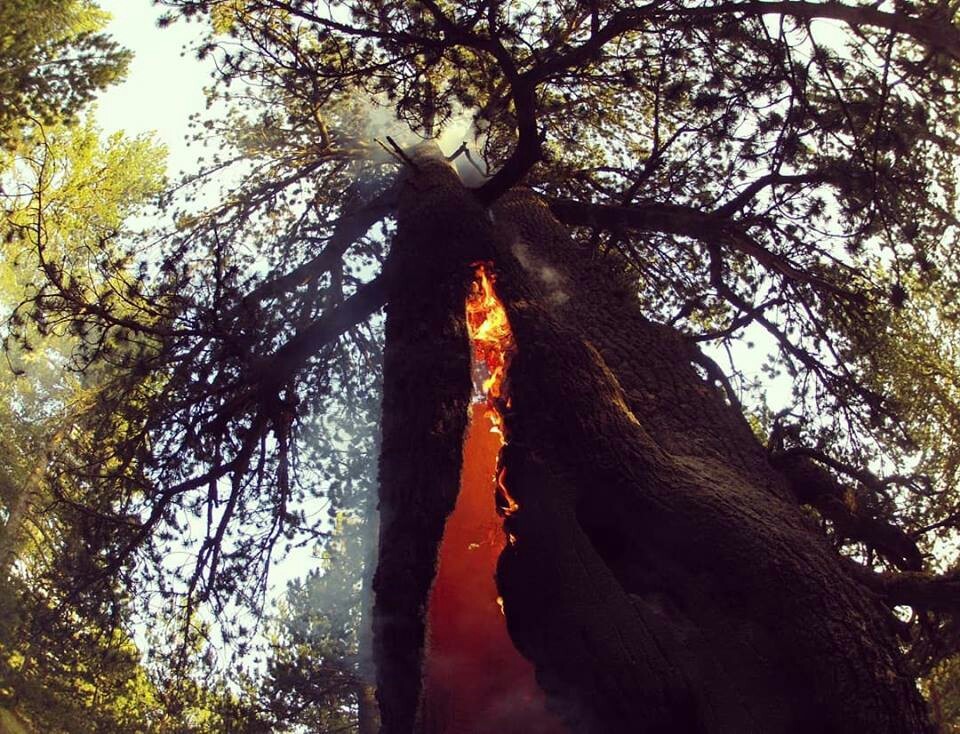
(314, 673)
(67, 660)
(53, 60)
(62, 675)
(64, 196)
(910, 356)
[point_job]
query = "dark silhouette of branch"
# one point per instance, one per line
(274, 371)
(938, 593)
(528, 150)
(707, 227)
(815, 486)
(350, 227)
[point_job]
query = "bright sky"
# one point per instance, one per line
(164, 84)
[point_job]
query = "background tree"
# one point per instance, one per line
(75, 671)
(724, 168)
(319, 669)
(68, 662)
(315, 680)
(53, 59)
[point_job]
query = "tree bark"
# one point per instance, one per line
(664, 577)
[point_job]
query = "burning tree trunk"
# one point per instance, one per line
(662, 577)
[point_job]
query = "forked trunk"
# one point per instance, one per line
(662, 578)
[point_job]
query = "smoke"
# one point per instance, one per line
(371, 119)
(374, 118)
(550, 278)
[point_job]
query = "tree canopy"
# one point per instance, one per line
(53, 59)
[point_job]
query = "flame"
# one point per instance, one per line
(493, 345)
(490, 336)
(475, 680)
(506, 505)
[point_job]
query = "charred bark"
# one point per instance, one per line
(664, 577)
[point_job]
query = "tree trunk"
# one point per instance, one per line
(368, 718)
(663, 578)
(426, 391)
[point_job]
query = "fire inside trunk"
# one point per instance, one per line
(475, 681)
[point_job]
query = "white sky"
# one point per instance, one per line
(164, 84)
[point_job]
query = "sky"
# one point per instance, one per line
(164, 83)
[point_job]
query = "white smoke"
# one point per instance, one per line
(551, 278)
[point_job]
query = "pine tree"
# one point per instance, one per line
(53, 60)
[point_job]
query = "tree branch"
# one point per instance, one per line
(815, 486)
(934, 32)
(349, 228)
(937, 593)
(771, 179)
(528, 150)
(687, 222)
(272, 372)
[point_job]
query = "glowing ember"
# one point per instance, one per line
(475, 681)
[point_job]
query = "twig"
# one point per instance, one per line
(403, 156)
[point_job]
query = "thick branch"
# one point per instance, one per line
(936, 33)
(528, 150)
(931, 31)
(813, 485)
(938, 593)
(867, 478)
(351, 227)
(274, 371)
(771, 179)
(684, 221)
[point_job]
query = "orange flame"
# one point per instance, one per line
(493, 345)
(489, 332)
(475, 681)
